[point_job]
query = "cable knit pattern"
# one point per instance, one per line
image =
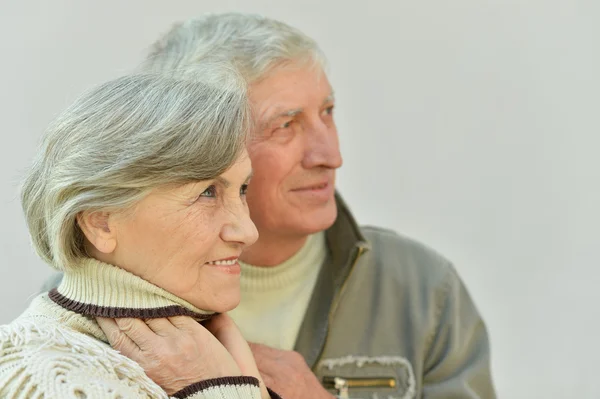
(53, 352)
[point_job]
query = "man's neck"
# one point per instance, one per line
(270, 250)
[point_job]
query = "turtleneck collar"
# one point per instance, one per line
(94, 288)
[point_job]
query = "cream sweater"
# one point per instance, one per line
(55, 349)
(274, 299)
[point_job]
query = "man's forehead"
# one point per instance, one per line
(278, 110)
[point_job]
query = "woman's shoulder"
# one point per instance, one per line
(38, 354)
(44, 354)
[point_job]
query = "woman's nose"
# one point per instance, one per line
(240, 228)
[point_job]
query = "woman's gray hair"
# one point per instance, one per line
(253, 43)
(124, 138)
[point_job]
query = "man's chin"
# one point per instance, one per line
(294, 221)
(314, 221)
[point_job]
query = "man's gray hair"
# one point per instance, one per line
(124, 138)
(253, 43)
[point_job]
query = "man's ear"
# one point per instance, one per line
(97, 229)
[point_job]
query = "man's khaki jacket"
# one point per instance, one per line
(390, 318)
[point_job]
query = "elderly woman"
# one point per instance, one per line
(138, 196)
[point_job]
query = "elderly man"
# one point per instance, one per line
(331, 307)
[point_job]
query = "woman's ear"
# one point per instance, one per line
(97, 229)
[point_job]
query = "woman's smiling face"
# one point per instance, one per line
(187, 239)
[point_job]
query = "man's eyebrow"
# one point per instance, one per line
(293, 112)
(281, 114)
(329, 99)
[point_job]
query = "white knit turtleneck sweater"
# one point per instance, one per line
(274, 298)
(57, 350)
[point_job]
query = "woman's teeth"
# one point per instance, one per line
(223, 262)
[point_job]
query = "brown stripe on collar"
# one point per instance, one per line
(87, 309)
(216, 382)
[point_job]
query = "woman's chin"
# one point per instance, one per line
(212, 291)
(224, 308)
(222, 304)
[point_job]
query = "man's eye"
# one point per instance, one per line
(209, 192)
(328, 110)
(243, 189)
(285, 125)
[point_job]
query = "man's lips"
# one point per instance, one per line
(317, 186)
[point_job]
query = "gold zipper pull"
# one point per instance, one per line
(343, 384)
(371, 382)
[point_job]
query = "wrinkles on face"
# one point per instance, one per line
(174, 231)
(295, 146)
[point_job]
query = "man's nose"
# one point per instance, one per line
(322, 147)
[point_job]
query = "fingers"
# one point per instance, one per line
(219, 321)
(225, 330)
(263, 349)
(162, 327)
(117, 339)
(268, 380)
(136, 331)
(264, 355)
(185, 323)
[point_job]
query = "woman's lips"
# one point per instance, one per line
(228, 265)
(224, 262)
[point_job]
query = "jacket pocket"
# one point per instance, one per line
(379, 377)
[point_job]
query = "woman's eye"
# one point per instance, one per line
(209, 192)
(243, 189)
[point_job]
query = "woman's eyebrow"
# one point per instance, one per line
(226, 183)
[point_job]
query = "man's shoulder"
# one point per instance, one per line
(405, 258)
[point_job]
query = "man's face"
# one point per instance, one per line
(294, 153)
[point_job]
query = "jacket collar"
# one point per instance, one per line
(344, 237)
(345, 243)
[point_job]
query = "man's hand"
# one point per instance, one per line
(286, 373)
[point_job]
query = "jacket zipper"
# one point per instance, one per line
(336, 301)
(342, 384)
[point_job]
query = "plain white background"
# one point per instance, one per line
(469, 125)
